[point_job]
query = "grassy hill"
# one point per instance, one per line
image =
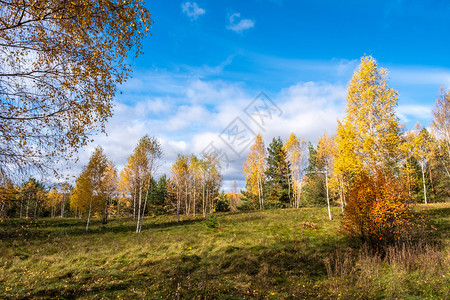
(269, 255)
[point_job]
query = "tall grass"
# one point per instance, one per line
(415, 270)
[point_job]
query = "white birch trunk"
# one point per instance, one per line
(328, 198)
(89, 215)
(424, 186)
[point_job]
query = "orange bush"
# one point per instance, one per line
(377, 211)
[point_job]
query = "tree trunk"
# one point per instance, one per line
(186, 201)
(134, 204)
(178, 205)
(424, 186)
(118, 206)
(28, 203)
(409, 184)
(259, 195)
(203, 203)
(89, 215)
(143, 209)
(210, 200)
(63, 203)
(328, 199)
(289, 191)
(341, 195)
(105, 213)
(35, 208)
(431, 177)
(195, 188)
(139, 209)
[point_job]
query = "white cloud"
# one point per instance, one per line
(192, 10)
(187, 110)
(239, 25)
(187, 122)
(420, 75)
(408, 112)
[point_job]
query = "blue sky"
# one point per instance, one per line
(207, 60)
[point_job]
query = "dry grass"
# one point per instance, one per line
(417, 270)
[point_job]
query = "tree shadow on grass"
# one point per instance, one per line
(42, 229)
(228, 273)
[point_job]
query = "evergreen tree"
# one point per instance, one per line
(314, 188)
(278, 174)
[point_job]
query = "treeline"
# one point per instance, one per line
(33, 199)
(101, 192)
(370, 146)
(370, 138)
(373, 167)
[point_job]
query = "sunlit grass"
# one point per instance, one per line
(270, 254)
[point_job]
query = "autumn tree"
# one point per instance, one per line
(193, 178)
(53, 199)
(211, 179)
(421, 151)
(65, 191)
(368, 136)
(127, 188)
(409, 167)
(297, 158)
(179, 176)
(347, 164)
(369, 139)
(377, 212)
(326, 152)
(254, 169)
(441, 128)
(8, 195)
(138, 172)
(110, 179)
(194, 171)
(61, 64)
(89, 193)
(234, 196)
(32, 196)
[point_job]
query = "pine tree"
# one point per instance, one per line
(278, 174)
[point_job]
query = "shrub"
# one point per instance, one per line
(274, 205)
(245, 205)
(377, 211)
(222, 203)
(211, 221)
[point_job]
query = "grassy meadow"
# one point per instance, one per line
(274, 254)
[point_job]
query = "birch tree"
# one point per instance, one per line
(326, 150)
(370, 128)
(254, 169)
(90, 189)
(61, 64)
(297, 156)
(142, 164)
(441, 127)
(421, 150)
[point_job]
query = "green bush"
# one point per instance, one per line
(222, 203)
(211, 221)
(274, 205)
(245, 205)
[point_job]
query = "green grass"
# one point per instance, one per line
(297, 254)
